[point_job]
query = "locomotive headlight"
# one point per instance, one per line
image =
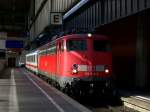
(89, 35)
(106, 71)
(74, 71)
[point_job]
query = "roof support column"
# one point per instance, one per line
(141, 54)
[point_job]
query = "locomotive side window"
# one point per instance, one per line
(76, 45)
(52, 49)
(62, 46)
(59, 46)
(43, 52)
(101, 45)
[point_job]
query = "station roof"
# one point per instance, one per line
(13, 14)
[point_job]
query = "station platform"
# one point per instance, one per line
(135, 99)
(21, 91)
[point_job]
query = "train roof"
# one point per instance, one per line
(32, 53)
(85, 36)
(73, 36)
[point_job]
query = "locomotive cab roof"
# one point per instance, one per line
(74, 36)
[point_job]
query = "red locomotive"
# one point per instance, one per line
(78, 63)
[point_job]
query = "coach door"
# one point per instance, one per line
(59, 57)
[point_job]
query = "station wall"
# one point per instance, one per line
(123, 35)
(146, 46)
(101, 12)
(42, 18)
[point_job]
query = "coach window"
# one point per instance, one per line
(33, 58)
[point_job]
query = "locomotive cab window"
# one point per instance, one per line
(76, 45)
(101, 45)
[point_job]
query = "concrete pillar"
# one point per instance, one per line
(141, 55)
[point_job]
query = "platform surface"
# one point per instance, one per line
(135, 99)
(22, 91)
